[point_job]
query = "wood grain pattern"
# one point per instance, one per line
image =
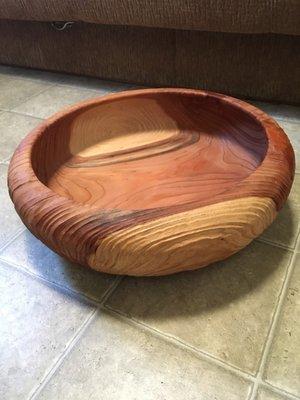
(151, 182)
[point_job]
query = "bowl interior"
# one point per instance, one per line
(149, 150)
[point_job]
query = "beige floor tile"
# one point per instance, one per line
(14, 91)
(54, 99)
(10, 221)
(13, 127)
(283, 369)
(117, 361)
(31, 74)
(86, 82)
(279, 111)
(285, 228)
(292, 129)
(266, 394)
(33, 255)
(224, 309)
(36, 324)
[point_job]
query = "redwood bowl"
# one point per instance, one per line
(152, 182)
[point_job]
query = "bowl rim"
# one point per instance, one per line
(23, 179)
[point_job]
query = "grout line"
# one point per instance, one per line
(169, 338)
(101, 306)
(72, 343)
(85, 89)
(31, 78)
(51, 284)
(101, 91)
(68, 348)
(118, 279)
(281, 392)
(249, 391)
(68, 291)
(62, 78)
(5, 161)
(165, 337)
(6, 244)
(62, 82)
(208, 357)
(273, 326)
(93, 94)
(180, 343)
(50, 85)
(271, 243)
(97, 90)
(23, 114)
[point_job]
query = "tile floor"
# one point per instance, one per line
(231, 331)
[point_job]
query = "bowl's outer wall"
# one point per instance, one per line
(154, 241)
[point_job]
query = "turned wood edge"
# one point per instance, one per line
(184, 241)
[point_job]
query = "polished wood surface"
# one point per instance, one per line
(151, 182)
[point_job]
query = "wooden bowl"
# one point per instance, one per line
(151, 182)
